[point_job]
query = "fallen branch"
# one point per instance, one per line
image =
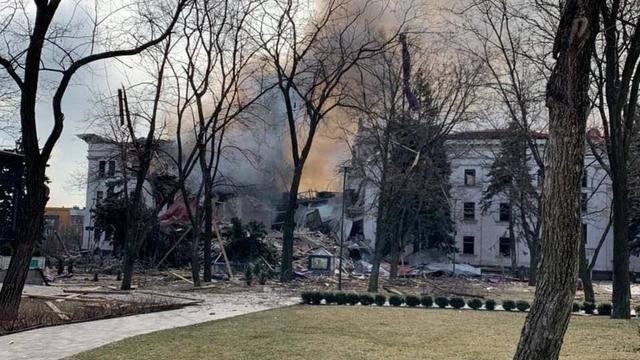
(181, 277)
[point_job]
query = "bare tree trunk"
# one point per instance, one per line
(533, 263)
(395, 257)
(568, 102)
(286, 268)
(621, 282)
(195, 258)
(378, 245)
(585, 275)
(29, 229)
(208, 234)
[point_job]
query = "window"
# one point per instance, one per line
(585, 178)
(583, 202)
(468, 245)
(110, 191)
(505, 246)
(112, 169)
(101, 168)
(505, 212)
(470, 177)
(99, 196)
(584, 233)
(469, 211)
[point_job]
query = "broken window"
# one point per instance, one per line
(505, 246)
(101, 168)
(505, 212)
(583, 202)
(112, 169)
(468, 245)
(470, 177)
(469, 211)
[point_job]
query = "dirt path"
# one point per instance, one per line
(61, 341)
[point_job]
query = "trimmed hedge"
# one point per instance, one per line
(353, 299)
(604, 309)
(588, 307)
(522, 305)
(412, 301)
(379, 299)
(508, 305)
(475, 304)
(366, 299)
(442, 302)
(341, 298)
(396, 300)
(426, 301)
(456, 302)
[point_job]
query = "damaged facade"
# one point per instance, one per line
(482, 236)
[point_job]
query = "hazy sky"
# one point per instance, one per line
(68, 163)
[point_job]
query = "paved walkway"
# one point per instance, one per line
(61, 341)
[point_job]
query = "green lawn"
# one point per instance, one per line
(332, 332)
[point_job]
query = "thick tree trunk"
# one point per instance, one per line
(379, 245)
(286, 267)
(534, 256)
(28, 231)
(568, 103)
(621, 282)
(395, 257)
(127, 270)
(208, 233)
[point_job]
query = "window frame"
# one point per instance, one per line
(504, 215)
(465, 243)
(473, 173)
(469, 214)
(508, 245)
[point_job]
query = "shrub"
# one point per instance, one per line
(248, 275)
(395, 300)
(329, 298)
(456, 302)
(341, 298)
(588, 307)
(508, 305)
(426, 301)
(353, 299)
(523, 305)
(490, 304)
(412, 300)
(366, 299)
(475, 304)
(604, 309)
(576, 307)
(442, 302)
(306, 297)
(379, 299)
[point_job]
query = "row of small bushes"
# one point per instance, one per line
(589, 308)
(343, 298)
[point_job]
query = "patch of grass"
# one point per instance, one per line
(333, 332)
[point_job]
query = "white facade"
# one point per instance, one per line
(104, 168)
(482, 233)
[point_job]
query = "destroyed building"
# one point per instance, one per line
(482, 237)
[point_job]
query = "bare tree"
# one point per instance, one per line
(216, 83)
(617, 58)
(513, 39)
(394, 145)
(569, 104)
(24, 62)
(311, 53)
